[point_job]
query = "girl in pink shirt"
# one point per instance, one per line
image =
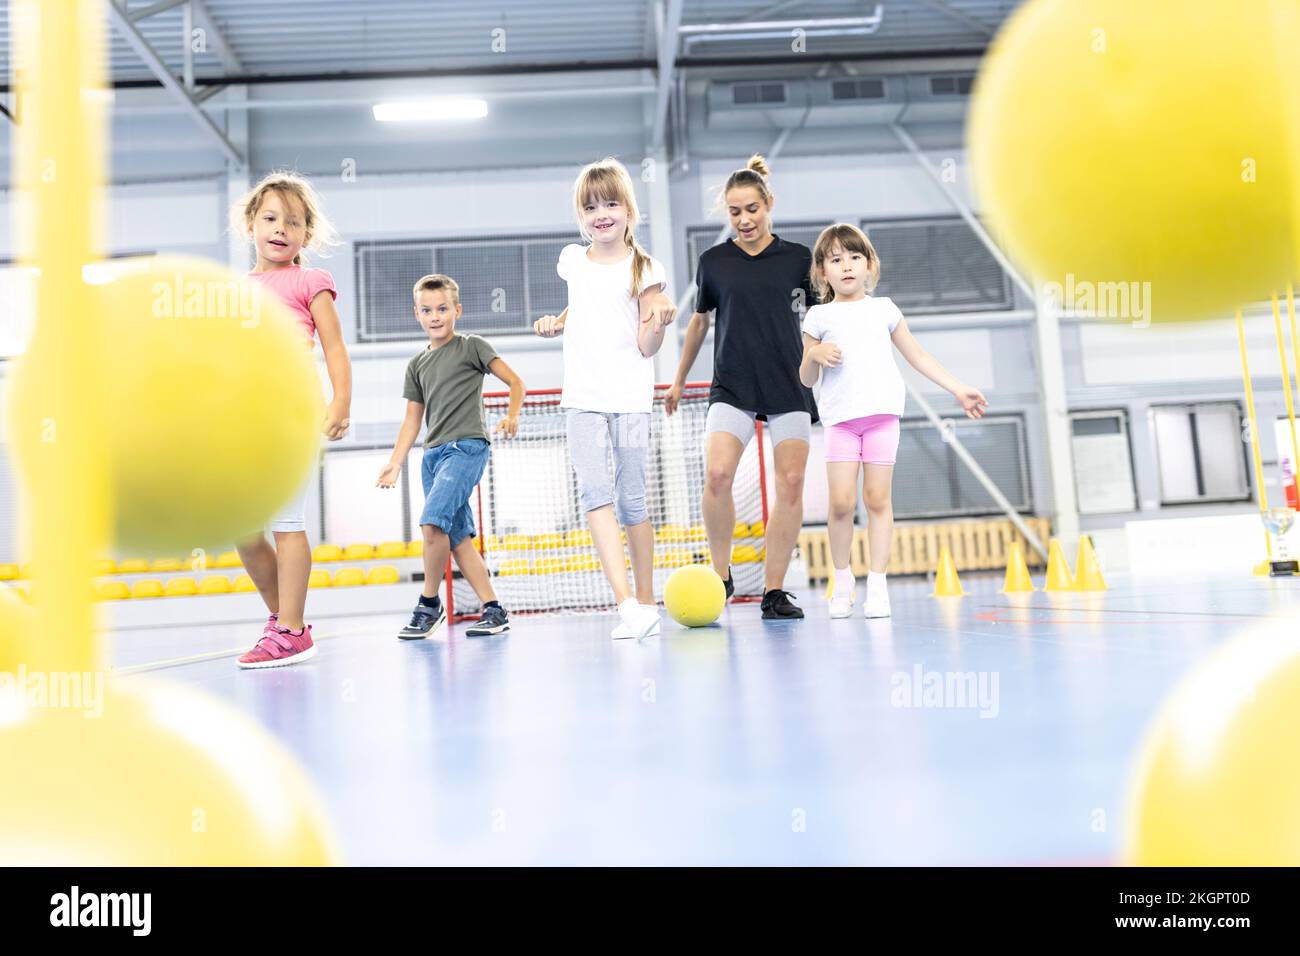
(281, 216)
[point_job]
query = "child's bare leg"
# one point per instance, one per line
(293, 569)
(258, 557)
(877, 482)
(474, 569)
(436, 549)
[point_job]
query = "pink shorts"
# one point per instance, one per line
(872, 440)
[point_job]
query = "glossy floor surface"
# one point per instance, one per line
(987, 729)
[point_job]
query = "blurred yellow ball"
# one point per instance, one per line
(15, 628)
(163, 775)
(1129, 142)
(1217, 782)
(694, 595)
(210, 404)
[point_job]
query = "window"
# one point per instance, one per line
(505, 283)
(1103, 462)
(929, 265)
(930, 481)
(1200, 452)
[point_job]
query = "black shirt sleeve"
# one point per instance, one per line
(705, 300)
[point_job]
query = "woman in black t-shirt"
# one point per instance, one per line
(758, 287)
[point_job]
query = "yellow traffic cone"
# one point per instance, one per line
(1018, 579)
(946, 582)
(1088, 571)
(1058, 571)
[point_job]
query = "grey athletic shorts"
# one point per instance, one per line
(734, 421)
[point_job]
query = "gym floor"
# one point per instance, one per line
(990, 729)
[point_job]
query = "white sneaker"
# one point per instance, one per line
(636, 620)
(841, 606)
(877, 603)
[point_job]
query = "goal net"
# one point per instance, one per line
(533, 531)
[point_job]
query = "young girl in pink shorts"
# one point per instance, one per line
(848, 336)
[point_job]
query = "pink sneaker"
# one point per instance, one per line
(280, 646)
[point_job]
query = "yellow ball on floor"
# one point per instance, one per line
(1217, 782)
(210, 405)
(1115, 142)
(694, 595)
(153, 774)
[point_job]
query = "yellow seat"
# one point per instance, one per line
(327, 552)
(215, 584)
(319, 578)
(578, 538)
(244, 583)
(582, 562)
(349, 578)
(391, 549)
(548, 541)
(697, 533)
(513, 566)
(757, 529)
(180, 587)
(166, 564)
(147, 588)
(671, 534)
(744, 554)
(102, 566)
(516, 542)
(548, 566)
(112, 591)
(415, 549)
(383, 574)
(228, 559)
(133, 566)
(492, 543)
(359, 552)
(8, 572)
(741, 530)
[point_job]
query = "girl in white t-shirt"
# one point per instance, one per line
(614, 324)
(861, 399)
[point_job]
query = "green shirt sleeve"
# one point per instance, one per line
(411, 389)
(483, 352)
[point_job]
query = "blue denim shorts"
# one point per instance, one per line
(450, 473)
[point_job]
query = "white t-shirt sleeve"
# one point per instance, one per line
(654, 275)
(893, 315)
(565, 266)
(812, 323)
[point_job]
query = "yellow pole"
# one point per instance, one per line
(1295, 350)
(59, 53)
(1254, 430)
(1286, 382)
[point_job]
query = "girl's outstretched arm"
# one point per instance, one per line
(657, 310)
(337, 364)
(509, 425)
(971, 398)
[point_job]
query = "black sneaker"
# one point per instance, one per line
(423, 621)
(729, 585)
(492, 620)
(777, 607)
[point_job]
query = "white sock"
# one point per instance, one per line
(844, 583)
(875, 580)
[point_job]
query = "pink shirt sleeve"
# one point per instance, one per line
(312, 282)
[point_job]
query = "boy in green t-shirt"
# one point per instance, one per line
(444, 390)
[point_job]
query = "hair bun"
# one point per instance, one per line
(759, 165)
